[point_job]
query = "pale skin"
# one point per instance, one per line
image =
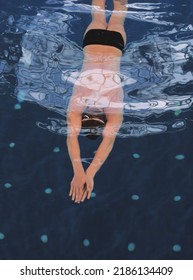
(104, 58)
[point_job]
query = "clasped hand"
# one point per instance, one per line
(81, 186)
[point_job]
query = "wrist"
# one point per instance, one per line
(77, 166)
(90, 172)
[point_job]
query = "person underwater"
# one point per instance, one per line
(97, 85)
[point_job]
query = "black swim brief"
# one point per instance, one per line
(104, 37)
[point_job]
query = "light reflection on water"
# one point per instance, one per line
(156, 71)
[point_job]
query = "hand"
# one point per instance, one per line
(78, 186)
(88, 187)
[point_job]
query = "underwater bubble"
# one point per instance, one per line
(86, 242)
(12, 145)
(44, 238)
(135, 197)
(135, 155)
(48, 190)
(177, 112)
(177, 198)
(177, 248)
(131, 247)
(17, 107)
(2, 236)
(7, 185)
(93, 194)
(180, 157)
(56, 150)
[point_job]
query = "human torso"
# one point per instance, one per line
(99, 79)
(99, 56)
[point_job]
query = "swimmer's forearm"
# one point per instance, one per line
(74, 153)
(100, 157)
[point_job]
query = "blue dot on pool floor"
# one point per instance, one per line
(48, 190)
(177, 198)
(21, 96)
(86, 242)
(7, 185)
(44, 238)
(17, 107)
(12, 145)
(177, 248)
(56, 150)
(2, 236)
(180, 157)
(135, 197)
(93, 194)
(131, 247)
(135, 155)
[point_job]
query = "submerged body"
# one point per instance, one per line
(99, 80)
(97, 85)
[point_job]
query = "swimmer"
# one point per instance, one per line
(98, 82)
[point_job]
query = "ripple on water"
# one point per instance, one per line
(156, 63)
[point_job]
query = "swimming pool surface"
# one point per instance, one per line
(141, 205)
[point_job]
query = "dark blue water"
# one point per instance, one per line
(141, 207)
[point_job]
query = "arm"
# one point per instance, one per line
(74, 126)
(109, 134)
(114, 115)
(74, 117)
(110, 131)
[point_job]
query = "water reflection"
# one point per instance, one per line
(156, 71)
(10, 53)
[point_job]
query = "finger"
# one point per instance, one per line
(80, 192)
(70, 193)
(77, 194)
(89, 194)
(89, 189)
(73, 193)
(84, 195)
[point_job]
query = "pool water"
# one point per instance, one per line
(141, 205)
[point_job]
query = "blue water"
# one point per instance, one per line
(141, 205)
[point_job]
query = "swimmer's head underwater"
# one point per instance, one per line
(93, 123)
